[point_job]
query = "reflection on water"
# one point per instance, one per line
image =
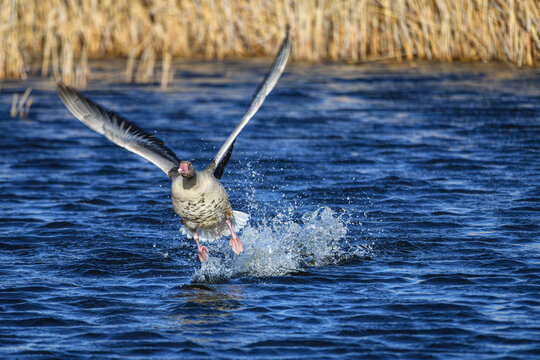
(200, 309)
(211, 298)
(213, 305)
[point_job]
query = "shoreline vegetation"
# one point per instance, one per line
(58, 37)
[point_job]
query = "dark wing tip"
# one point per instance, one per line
(287, 38)
(71, 97)
(63, 89)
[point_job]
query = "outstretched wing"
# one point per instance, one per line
(271, 79)
(120, 131)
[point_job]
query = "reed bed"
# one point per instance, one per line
(62, 35)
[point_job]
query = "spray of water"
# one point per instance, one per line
(281, 246)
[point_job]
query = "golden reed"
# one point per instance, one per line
(61, 35)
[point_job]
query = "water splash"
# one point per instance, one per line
(282, 245)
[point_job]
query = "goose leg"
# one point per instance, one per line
(202, 250)
(235, 241)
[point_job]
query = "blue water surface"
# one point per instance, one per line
(395, 214)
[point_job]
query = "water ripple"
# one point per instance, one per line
(394, 215)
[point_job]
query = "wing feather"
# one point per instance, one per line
(218, 172)
(117, 129)
(269, 82)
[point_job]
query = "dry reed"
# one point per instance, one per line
(62, 35)
(20, 106)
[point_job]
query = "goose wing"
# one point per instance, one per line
(120, 131)
(269, 82)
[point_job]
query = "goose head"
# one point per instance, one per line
(186, 169)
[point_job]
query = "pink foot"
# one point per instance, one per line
(202, 250)
(203, 254)
(235, 241)
(236, 245)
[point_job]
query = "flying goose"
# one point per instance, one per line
(197, 196)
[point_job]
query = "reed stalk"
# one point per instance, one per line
(20, 105)
(63, 35)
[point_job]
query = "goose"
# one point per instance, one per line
(198, 197)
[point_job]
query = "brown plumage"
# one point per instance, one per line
(197, 196)
(200, 200)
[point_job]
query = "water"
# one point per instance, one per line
(395, 214)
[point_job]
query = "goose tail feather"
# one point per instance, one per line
(238, 221)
